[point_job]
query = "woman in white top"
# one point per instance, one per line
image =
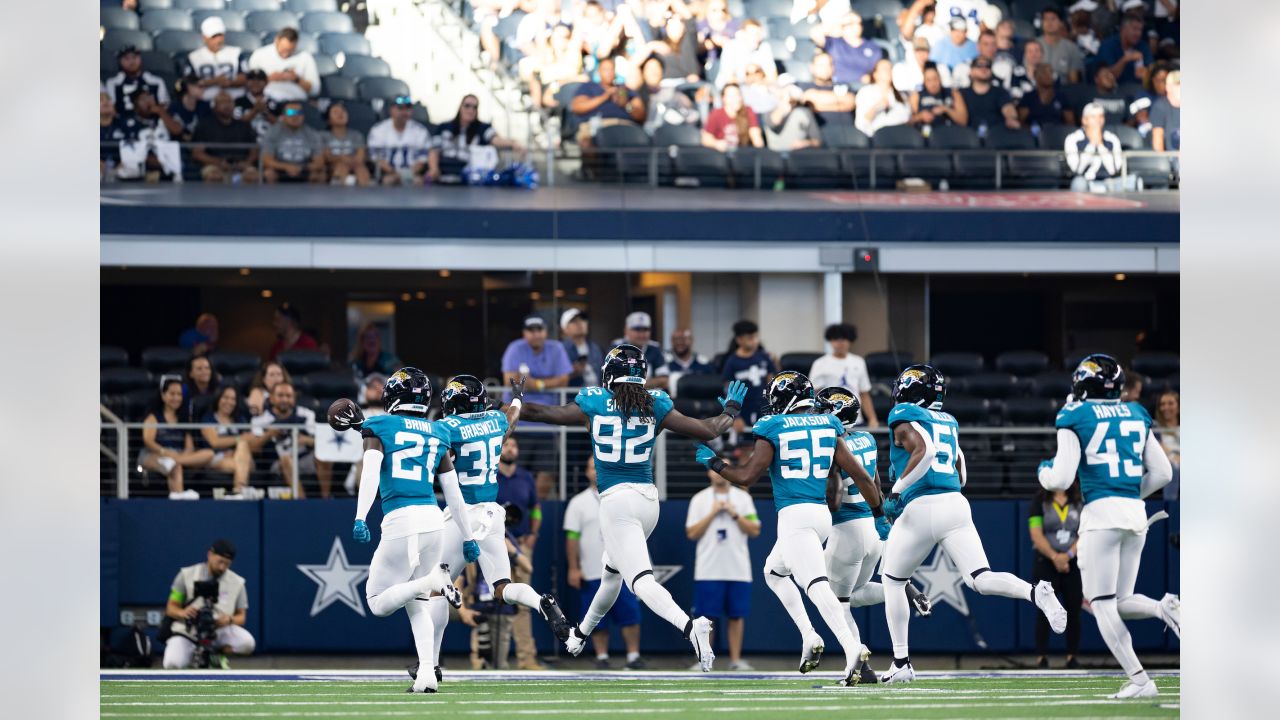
(880, 104)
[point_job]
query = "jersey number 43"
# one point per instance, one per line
(1101, 449)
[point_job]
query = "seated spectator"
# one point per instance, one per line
(202, 338)
(230, 445)
(681, 360)
(165, 449)
(1106, 95)
(287, 323)
(908, 75)
(556, 63)
(1080, 18)
(988, 105)
(606, 100)
(935, 104)
(291, 75)
(402, 148)
(854, 56)
(282, 409)
(956, 49)
(733, 124)
(546, 365)
(268, 376)
(747, 48)
(113, 130)
(833, 102)
(663, 101)
(131, 77)
(1095, 155)
(217, 64)
(1021, 80)
(253, 107)
(1044, 106)
(1166, 116)
(758, 93)
(292, 151)
(1126, 52)
(1059, 50)
(188, 108)
(717, 29)
(843, 368)
(199, 383)
(639, 332)
(586, 357)
(368, 357)
(748, 361)
(345, 156)
(879, 104)
(221, 165)
(150, 153)
(1153, 88)
(678, 45)
(466, 140)
(792, 125)
(1007, 49)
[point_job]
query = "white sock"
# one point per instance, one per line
(605, 656)
(789, 594)
(1116, 635)
(521, 594)
(870, 594)
(1002, 584)
(897, 613)
(439, 609)
(631, 656)
(424, 638)
(1138, 607)
(837, 617)
(606, 596)
(848, 616)
(657, 599)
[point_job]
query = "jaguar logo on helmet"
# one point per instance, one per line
(456, 386)
(911, 376)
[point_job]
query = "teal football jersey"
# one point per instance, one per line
(411, 451)
(804, 447)
(623, 447)
(476, 442)
(863, 447)
(1113, 436)
(942, 475)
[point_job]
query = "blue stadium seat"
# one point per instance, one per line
(700, 387)
(684, 135)
(246, 41)
(761, 9)
(1054, 136)
(816, 168)
(149, 5)
(1000, 137)
(200, 4)
(362, 116)
(116, 38)
(1022, 363)
(743, 164)
(836, 135)
(269, 21)
(1035, 171)
(991, 384)
(314, 117)
(381, 88)
(1155, 364)
(1156, 171)
(254, 5)
(117, 380)
(325, 64)
(958, 363)
(178, 41)
(302, 362)
(320, 22)
(158, 62)
(800, 362)
(887, 364)
(347, 43)
(233, 19)
(953, 137)
(1050, 384)
(702, 166)
(112, 356)
(118, 18)
(307, 6)
(165, 359)
(1030, 411)
(624, 152)
(338, 87)
(154, 21)
(228, 362)
(1130, 139)
(1028, 10)
(966, 409)
(364, 66)
(928, 164)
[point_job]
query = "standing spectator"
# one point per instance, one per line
(202, 338)
(217, 65)
(1080, 18)
(639, 332)
(461, 137)
(291, 75)
(681, 359)
(748, 361)
(908, 75)
(268, 376)
(844, 368)
(584, 552)
(253, 107)
(291, 151)
(587, 357)
(607, 100)
(1045, 105)
(221, 165)
(988, 105)
(879, 104)
(717, 29)
(166, 449)
(188, 108)
(229, 611)
(1054, 526)
(545, 364)
(1106, 96)
(345, 157)
(131, 77)
(1166, 116)
(287, 322)
(833, 102)
(1126, 52)
(935, 104)
(517, 489)
(1021, 80)
(402, 148)
(1095, 156)
(282, 409)
(721, 520)
(747, 48)
(956, 49)
(199, 383)
(986, 49)
(1059, 50)
(733, 124)
(230, 445)
(368, 356)
(855, 57)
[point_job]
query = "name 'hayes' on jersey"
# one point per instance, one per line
(623, 447)
(476, 442)
(804, 447)
(411, 452)
(945, 433)
(1113, 437)
(863, 447)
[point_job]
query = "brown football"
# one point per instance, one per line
(343, 414)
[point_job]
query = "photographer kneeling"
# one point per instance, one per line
(206, 607)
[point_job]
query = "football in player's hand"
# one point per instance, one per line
(344, 414)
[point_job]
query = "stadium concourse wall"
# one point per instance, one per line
(306, 576)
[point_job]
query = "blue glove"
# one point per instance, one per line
(882, 527)
(892, 508)
(704, 455)
(360, 532)
(733, 397)
(471, 551)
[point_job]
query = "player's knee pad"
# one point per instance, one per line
(971, 580)
(640, 576)
(888, 580)
(808, 589)
(498, 585)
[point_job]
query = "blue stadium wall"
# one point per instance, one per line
(144, 542)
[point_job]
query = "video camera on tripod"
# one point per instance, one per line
(205, 626)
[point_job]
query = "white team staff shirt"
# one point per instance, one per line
(582, 516)
(401, 148)
(849, 371)
(722, 551)
(268, 60)
(225, 63)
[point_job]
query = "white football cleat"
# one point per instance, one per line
(575, 642)
(812, 653)
(1049, 605)
(899, 674)
(1171, 613)
(700, 636)
(1133, 690)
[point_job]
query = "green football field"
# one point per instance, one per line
(371, 696)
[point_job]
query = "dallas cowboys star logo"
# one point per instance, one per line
(943, 582)
(663, 573)
(337, 581)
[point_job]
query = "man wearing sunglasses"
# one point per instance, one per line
(402, 148)
(293, 152)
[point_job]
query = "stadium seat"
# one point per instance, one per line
(154, 21)
(115, 38)
(1155, 364)
(232, 19)
(149, 5)
(303, 362)
(309, 6)
(269, 21)
(1054, 137)
(364, 66)
(1035, 171)
(1033, 411)
(137, 404)
(314, 117)
(743, 163)
(887, 364)
(1022, 362)
(325, 64)
(801, 362)
(228, 362)
(178, 41)
(1002, 138)
(991, 385)
(621, 158)
(898, 137)
(337, 87)
(1130, 139)
(246, 41)
(760, 9)
(327, 384)
(683, 135)
(700, 387)
(802, 54)
(953, 137)
(884, 11)
(957, 363)
(163, 359)
(882, 401)
(815, 168)
(242, 380)
(112, 356)
(974, 169)
(118, 18)
(1051, 384)
(362, 117)
(929, 165)
(346, 43)
(381, 88)
(155, 61)
(703, 166)
(200, 4)
(254, 5)
(117, 380)
(841, 136)
(967, 410)
(1156, 171)
(321, 22)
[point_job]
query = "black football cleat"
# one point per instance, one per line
(919, 601)
(555, 617)
(413, 672)
(869, 676)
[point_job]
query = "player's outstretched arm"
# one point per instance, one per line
(744, 475)
(710, 428)
(512, 410)
(866, 484)
(1060, 472)
(1158, 469)
(569, 414)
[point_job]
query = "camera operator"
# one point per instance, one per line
(207, 604)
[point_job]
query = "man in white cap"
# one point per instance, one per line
(639, 332)
(586, 356)
(1095, 156)
(1080, 17)
(217, 64)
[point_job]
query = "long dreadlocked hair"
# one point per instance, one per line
(633, 400)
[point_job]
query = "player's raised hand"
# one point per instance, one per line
(360, 532)
(517, 388)
(704, 455)
(471, 551)
(733, 397)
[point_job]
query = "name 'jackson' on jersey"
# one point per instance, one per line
(804, 447)
(863, 447)
(476, 442)
(411, 451)
(622, 447)
(942, 429)
(1113, 436)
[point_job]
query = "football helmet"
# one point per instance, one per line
(407, 391)
(463, 395)
(1097, 377)
(787, 392)
(626, 364)
(842, 403)
(920, 385)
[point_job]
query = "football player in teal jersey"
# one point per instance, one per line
(800, 449)
(854, 548)
(623, 419)
(929, 510)
(403, 452)
(1123, 463)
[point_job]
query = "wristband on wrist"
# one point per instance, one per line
(717, 464)
(516, 403)
(878, 511)
(732, 409)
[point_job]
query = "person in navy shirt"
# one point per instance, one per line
(749, 362)
(1126, 52)
(1044, 105)
(854, 56)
